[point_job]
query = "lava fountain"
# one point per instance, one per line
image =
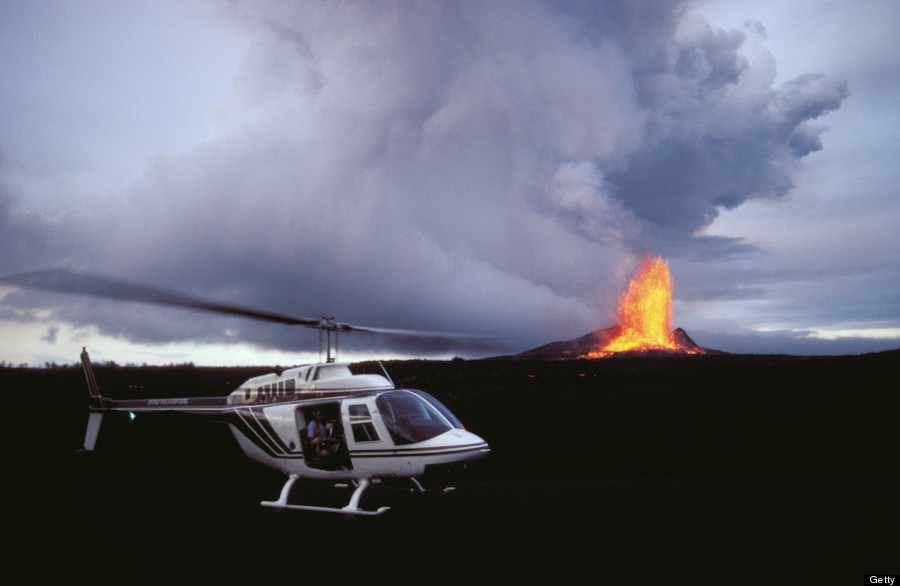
(645, 313)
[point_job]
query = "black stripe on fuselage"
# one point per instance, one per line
(252, 422)
(399, 452)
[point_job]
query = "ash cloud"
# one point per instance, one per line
(461, 166)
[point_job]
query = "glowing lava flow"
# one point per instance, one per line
(645, 312)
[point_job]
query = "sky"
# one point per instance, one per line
(495, 168)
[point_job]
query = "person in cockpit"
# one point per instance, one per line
(318, 431)
(326, 439)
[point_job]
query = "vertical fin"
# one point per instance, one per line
(93, 387)
(96, 402)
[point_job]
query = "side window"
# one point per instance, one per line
(361, 422)
(358, 412)
(364, 432)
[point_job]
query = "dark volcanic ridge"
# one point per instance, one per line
(581, 347)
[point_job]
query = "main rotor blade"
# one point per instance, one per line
(414, 333)
(66, 281)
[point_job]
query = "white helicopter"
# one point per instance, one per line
(316, 421)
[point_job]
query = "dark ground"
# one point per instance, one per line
(692, 469)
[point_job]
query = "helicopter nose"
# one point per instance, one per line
(469, 445)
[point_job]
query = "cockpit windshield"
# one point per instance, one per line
(448, 415)
(410, 418)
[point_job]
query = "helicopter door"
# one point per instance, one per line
(369, 442)
(331, 454)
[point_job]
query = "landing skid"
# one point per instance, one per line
(352, 508)
(417, 487)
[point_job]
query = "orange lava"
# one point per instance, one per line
(645, 312)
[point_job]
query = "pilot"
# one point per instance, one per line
(318, 431)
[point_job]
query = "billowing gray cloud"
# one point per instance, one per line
(487, 167)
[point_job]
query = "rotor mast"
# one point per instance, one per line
(328, 325)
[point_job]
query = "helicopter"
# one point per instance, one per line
(316, 421)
